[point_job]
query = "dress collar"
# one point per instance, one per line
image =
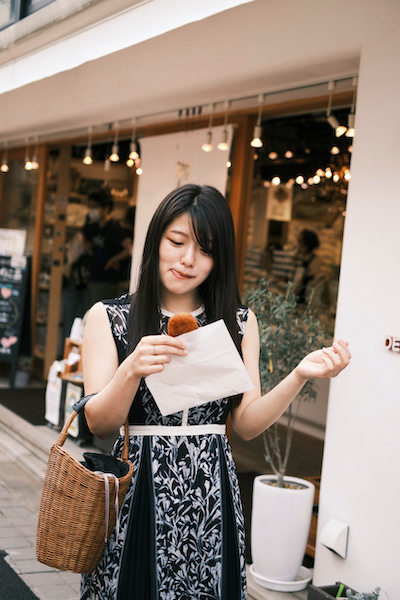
(195, 313)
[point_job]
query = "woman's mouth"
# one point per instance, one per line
(180, 275)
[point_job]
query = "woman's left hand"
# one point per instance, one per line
(325, 363)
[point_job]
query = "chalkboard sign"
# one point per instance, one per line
(13, 283)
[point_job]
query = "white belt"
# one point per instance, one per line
(166, 430)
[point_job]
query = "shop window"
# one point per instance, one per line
(8, 12)
(300, 183)
(12, 11)
(19, 201)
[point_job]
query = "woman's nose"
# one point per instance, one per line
(187, 257)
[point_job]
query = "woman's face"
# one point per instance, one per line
(183, 265)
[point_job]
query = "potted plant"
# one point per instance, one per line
(282, 505)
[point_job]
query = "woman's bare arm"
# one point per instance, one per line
(256, 413)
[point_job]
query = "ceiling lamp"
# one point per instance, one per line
(133, 154)
(350, 131)
(4, 168)
(88, 158)
(332, 120)
(114, 156)
(28, 163)
(35, 157)
(207, 146)
(257, 142)
(223, 145)
(351, 118)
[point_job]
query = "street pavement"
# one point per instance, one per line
(24, 450)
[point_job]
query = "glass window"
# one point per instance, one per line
(33, 5)
(8, 12)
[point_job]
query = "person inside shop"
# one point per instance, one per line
(108, 244)
(309, 273)
(128, 224)
(181, 531)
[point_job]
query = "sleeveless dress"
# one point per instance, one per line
(181, 531)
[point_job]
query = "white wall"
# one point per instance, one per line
(160, 156)
(360, 481)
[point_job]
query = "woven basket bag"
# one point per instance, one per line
(71, 532)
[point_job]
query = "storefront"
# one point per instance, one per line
(257, 48)
(45, 191)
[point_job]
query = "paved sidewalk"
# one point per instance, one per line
(22, 469)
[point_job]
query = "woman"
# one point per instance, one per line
(182, 534)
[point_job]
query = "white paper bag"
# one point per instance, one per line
(212, 369)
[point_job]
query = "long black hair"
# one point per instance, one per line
(213, 228)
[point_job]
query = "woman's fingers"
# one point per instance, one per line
(337, 357)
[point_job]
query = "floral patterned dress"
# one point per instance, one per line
(181, 525)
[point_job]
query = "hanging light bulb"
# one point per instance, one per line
(332, 120)
(320, 172)
(336, 177)
(138, 165)
(223, 145)
(328, 173)
(273, 155)
(88, 158)
(289, 154)
(299, 179)
(351, 118)
(35, 157)
(228, 164)
(347, 175)
(133, 154)
(114, 156)
(28, 163)
(316, 179)
(257, 142)
(334, 150)
(130, 162)
(350, 132)
(207, 146)
(4, 168)
(310, 181)
(276, 180)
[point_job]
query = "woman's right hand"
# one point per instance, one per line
(152, 353)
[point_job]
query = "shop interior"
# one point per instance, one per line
(301, 170)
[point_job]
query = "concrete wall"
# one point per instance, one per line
(360, 485)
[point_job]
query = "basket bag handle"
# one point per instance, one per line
(64, 433)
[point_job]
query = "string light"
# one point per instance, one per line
(276, 180)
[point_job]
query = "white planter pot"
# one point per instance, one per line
(280, 526)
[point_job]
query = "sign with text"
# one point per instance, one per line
(13, 283)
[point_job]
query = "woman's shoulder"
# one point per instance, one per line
(121, 301)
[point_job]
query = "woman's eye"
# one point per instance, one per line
(175, 243)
